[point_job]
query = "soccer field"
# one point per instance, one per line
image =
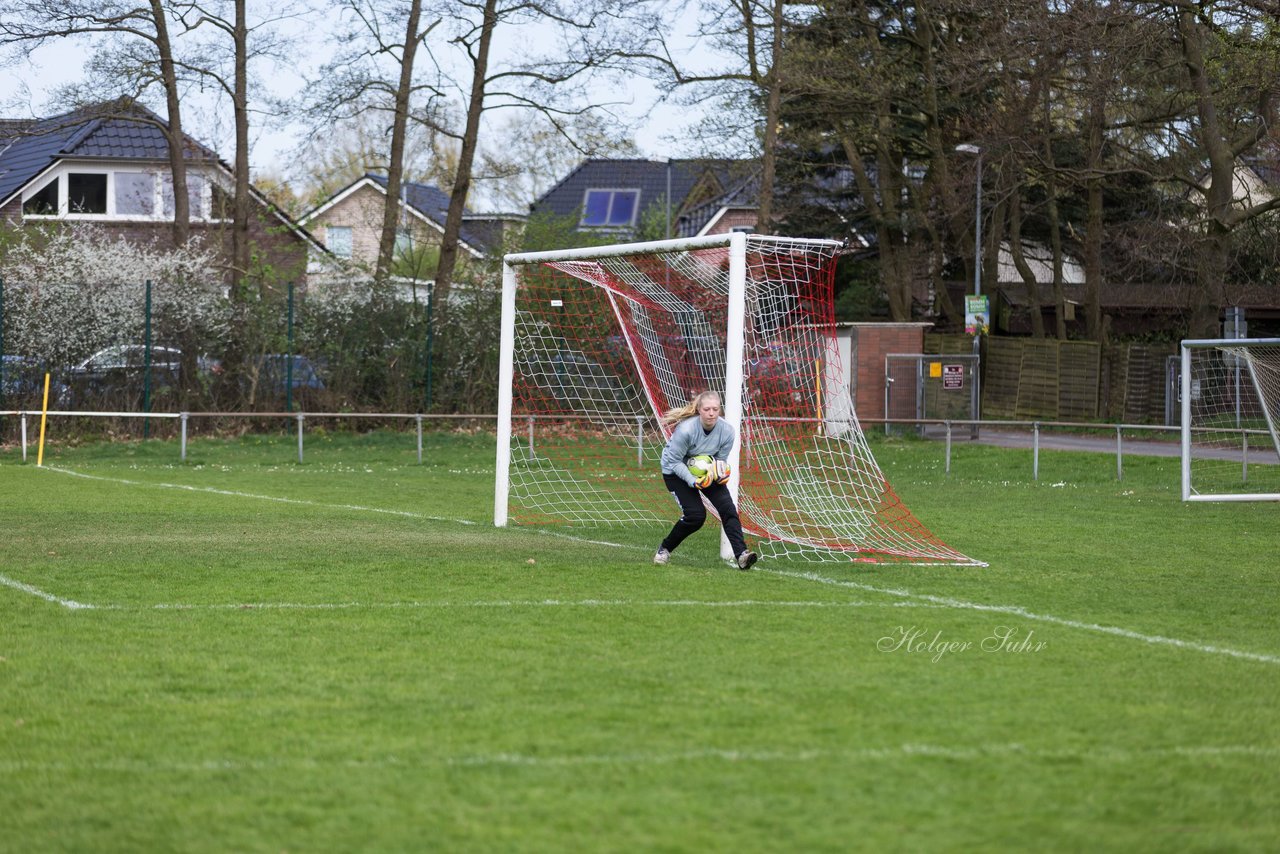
(242, 653)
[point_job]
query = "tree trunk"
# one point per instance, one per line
(992, 238)
(173, 132)
(1214, 251)
(240, 249)
(1055, 225)
(462, 183)
(938, 183)
(1020, 262)
(768, 161)
(1093, 221)
(391, 213)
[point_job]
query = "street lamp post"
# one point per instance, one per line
(969, 148)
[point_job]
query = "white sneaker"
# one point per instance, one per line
(747, 559)
(662, 557)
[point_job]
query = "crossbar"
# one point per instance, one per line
(653, 247)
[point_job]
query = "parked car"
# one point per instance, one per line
(273, 372)
(127, 357)
(119, 369)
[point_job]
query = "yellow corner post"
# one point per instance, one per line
(817, 389)
(44, 412)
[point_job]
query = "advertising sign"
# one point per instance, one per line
(977, 315)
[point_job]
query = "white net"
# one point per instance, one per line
(603, 345)
(1230, 418)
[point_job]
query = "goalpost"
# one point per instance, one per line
(1230, 401)
(596, 343)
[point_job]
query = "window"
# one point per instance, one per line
(86, 192)
(745, 229)
(132, 194)
(339, 240)
(135, 193)
(610, 208)
(404, 241)
(44, 202)
(195, 195)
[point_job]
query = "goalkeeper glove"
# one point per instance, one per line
(706, 480)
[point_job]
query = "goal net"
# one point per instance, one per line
(598, 342)
(1230, 396)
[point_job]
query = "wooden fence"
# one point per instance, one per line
(1029, 378)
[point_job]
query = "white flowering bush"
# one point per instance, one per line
(73, 290)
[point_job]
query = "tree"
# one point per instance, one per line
(527, 154)
(226, 43)
(587, 37)
(374, 78)
(1232, 78)
(752, 32)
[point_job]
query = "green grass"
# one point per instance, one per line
(314, 674)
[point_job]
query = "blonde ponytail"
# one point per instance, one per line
(688, 410)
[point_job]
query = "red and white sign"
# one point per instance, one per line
(953, 376)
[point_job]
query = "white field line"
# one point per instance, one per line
(40, 594)
(524, 603)
(1018, 611)
(981, 753)
(233, 494)
(943, 601)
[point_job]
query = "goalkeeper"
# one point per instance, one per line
(700, 430)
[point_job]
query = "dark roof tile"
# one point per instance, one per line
(648, 176)
(433, 203)
(106, 131)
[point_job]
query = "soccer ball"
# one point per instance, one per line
(722, 471)
(700, 465)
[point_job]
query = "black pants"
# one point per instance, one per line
(694, 513)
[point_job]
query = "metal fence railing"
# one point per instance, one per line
(1112, 439)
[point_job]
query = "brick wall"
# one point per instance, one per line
(870, 343)
(733, 218)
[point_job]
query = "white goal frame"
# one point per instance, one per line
(1190, 492)
(735, 338)
(802, 474)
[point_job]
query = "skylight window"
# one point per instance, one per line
(610, 208)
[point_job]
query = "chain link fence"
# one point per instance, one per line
(171, 346)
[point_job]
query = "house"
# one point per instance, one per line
(109, 165)
(608, 195)
(350, 223)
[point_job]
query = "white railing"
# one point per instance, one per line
(1032, 435)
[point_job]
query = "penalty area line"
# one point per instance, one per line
(305, 503)
(279, 500)
(732, 756)
(1018, 611)
(521, 603)
(40, 594)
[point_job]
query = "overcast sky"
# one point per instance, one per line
(25, 92)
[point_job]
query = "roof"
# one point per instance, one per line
(104, 131)
(112, 131)
(648, 176)
(477, 232)
(427, 199)
(744, 193)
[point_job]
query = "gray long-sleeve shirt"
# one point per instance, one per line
(689, 439)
